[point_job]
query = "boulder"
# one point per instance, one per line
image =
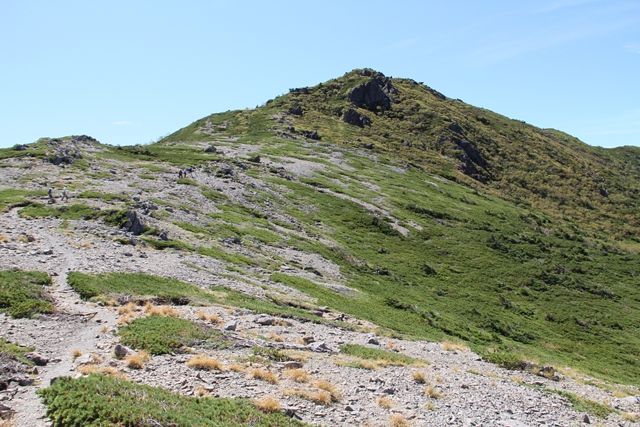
(312, 134)
(293, 365)
(210, 149)
(164, 235)
(230, 326)
(121, 351)
(352, 117)
(36, 358)
(133, 224)
(373, 95)
(296, 110)
(264, 319)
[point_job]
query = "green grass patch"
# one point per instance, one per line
(15, 351)
(376, 354)
(102, 286)
(217, 253)
(506, 359)
(162, 335)
(24, 293)
(187, 181)
(170, 290)
(168, 244)
(581, 404)
(113, 217)
(98, 400)
(11, 197)
(107, 197)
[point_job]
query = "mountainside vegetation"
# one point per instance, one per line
(446, 221)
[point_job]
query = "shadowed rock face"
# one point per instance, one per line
(373, 95)
(354, 118)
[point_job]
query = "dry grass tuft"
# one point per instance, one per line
(23, 239)
(454, 346)
(398, 421)
(164, 310)
(297, 375)
(6, 423)
(137, 360)
(385, 402)
(430, 406)
(205, 363)
(418, 376)
(261, 374)
(275, 337)
(3, 238)
(125, 320)
(213, 318)
(431, 392)
(630, 416)
(76, 353)
(330, 388)
(104, 329)
(268, 405)
(105, 370)
(128, 309)
(319, 397)
(202, 392)
(236, 367)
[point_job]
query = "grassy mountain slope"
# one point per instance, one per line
(453, 221)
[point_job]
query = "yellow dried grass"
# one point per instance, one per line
(205, 363)
(268, 405)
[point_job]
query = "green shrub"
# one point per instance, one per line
(98, 400)
(161, 335)
(23, 293)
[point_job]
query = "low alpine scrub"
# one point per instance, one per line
(24, 293)
(163, 335)
(98, 400)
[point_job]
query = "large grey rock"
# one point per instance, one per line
(121, 351)
(134, 224)
(36, 358)
(230, 326)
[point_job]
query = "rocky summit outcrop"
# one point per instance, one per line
(374, 95)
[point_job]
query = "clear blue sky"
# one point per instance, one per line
(127, 72)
